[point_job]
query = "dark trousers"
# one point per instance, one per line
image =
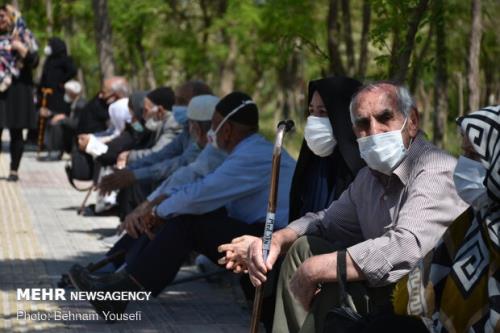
(16, 147)
(154, 264)
(132, 196)
(58, 137)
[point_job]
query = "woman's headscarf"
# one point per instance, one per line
(119, 115)
(10, 62)
(456, 287)
(336, 93)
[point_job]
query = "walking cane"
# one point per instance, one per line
(82, 206)
(42, 120)
(283, 127)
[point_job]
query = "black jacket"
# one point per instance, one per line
(57, 70)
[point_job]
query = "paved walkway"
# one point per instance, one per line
(41, 236)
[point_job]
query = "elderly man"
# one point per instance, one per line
(390, 216)
(226, 203)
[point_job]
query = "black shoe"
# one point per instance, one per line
(84, 281)
(13, 177)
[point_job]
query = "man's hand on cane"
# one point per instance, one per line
(236, 253)
(115, 181)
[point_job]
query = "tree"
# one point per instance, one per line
(441, 75)
(473, 58)
(103, 38)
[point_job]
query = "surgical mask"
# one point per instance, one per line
(319, 135)
(469, 176)
(47, 50)
(212, 135)
(384, 151)
(67, 99)
(180, 114)
(137, 126)
(153, 124)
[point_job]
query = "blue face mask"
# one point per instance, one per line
(180, 114)
(137, 126)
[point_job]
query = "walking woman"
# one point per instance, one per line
(18, 57)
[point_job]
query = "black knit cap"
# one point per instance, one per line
(163, 96)
(248, 114)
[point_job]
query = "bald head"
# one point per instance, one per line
(190, 89)
(114, 88)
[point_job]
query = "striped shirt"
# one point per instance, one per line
(387, 223)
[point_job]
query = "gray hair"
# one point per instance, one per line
(119, 85)
(404, 101)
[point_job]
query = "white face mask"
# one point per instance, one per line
(47, 50)
(384, 151)
(153, 124)
(67, 99)
(212, 135)
(319, 135)
(469, 176)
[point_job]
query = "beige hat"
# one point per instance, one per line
(73, 86)
(202, 107)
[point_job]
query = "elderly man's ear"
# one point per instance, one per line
(413, 124)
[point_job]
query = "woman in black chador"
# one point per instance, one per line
(57, 70)
(18, 57)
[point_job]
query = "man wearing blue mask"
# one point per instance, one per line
(389, 217)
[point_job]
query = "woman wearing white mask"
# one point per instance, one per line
(329, 158)
(456, 287)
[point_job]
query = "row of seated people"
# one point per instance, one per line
(367, 184)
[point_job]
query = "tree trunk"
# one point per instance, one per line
(228, 70)
(363, 52)
(418, 58)
(399, 68)
(460, 93)
(441, 78)
(473, 59)
(336, 66)
(288, 79)
(426, 107)
(103, 38)
(346, 21)
(50, 17)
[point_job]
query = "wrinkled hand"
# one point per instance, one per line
(45, 112)
(236, 254)
(83, 141)
(117, 180)
(257, 269)
(133, 224)
(304, 283)
(121, 161)
(57, 118)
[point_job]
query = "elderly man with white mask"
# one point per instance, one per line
(390, 216)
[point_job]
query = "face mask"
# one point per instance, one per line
(47, 50)
(212, 135)
(67, 99)
(137, 126)
(180, 114)
(383, 152)
(319, 135)
(153, 124)
(469, 177)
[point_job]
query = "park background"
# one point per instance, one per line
(446, 51)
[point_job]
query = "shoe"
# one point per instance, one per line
(13, 177)
(84, 281)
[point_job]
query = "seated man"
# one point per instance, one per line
(228, 202)
(389, 217)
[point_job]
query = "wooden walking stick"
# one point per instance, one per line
(283, 127)
(42, 120)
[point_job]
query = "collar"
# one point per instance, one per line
(404, 169)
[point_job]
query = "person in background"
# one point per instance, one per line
(19, 56)
(57, 70)
(328, 162)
